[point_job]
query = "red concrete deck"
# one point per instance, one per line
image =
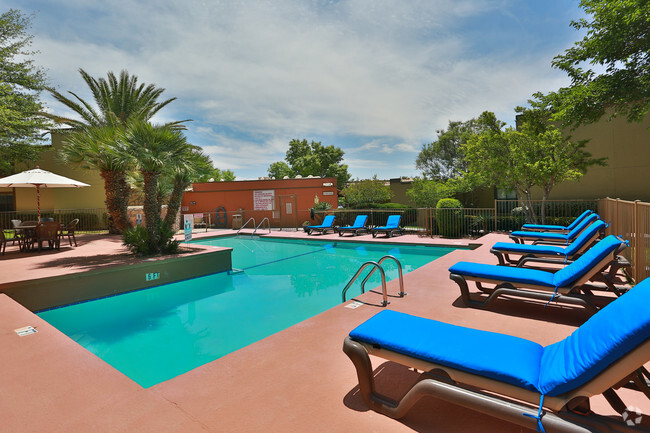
(298, 380)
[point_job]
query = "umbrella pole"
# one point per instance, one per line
(38, 201)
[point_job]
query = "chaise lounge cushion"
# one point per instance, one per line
(552, 370)
(498, 356)
(569, 250)
(510, 247)
(574, 223)
(565, 277)
(608, 335)
(503, 273)
(569, 274)
(557, 237)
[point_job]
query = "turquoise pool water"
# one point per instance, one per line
(155, 334)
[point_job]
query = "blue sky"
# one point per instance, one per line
(375, 78)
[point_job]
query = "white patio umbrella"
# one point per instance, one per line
(38, 179)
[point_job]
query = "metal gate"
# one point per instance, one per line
(285, 213)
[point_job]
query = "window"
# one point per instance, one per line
(6, 202)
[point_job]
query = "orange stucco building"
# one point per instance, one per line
(285, 202)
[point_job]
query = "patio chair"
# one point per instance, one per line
(15, 225)
(510, 378)
(69, 230)
(556, 228)
(323, 228)
(391, 227)
(27, 237)
(48, 232)
(357, 227)
(568, 285)
(548, 253)
(553, 238)
(3, 242)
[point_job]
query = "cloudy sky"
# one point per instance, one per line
(375, 78)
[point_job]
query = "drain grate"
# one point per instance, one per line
(26, 330)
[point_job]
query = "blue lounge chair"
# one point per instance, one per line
(516, 380)
(328, 224)
(553, 238)
(563, 286)
(548, 253)
(357, 227)
(391, 227)
(555, 228)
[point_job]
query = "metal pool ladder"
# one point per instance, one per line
(377, 265)
(268, 225)
(245, 224)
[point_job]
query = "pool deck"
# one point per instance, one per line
(297, 380)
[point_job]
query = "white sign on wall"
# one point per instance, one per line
(263, 199)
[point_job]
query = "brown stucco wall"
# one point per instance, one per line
(627, 147)
(238, 198)
(91, 197)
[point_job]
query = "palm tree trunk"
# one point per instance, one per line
(151, 210)
(117, 200)
(175, 202)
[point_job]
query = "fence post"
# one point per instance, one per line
(496, 226)
(639, 244)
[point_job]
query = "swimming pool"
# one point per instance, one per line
(155, 334)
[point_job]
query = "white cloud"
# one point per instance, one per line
(270, 71)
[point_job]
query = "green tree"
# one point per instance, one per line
(363, 193)
(21, 82)
(194, 164)
(216, 175)
(427, 192)
(443, 159)
(536, 155)
(280, 170)
(312, 159)
(102, 149)
(152, 148)
(117, 101)
(618, 41)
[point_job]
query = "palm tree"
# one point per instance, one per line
(117, 101)
(152, 148)
(194, 165)
(102, 148)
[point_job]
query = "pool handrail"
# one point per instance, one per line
(268, 224)
(383, 281)
(245, 224)
(401, 293)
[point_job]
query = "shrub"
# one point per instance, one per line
(137, 241)
(323, 205)
(392, 206)
(449, 217)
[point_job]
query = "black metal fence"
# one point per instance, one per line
(90, 220)
(505, 216)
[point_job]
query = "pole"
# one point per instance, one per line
(38, 201)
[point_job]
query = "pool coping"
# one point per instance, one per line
(50, 292)
(295, 380)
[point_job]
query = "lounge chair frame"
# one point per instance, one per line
(557, 229)
(390, 231)
(540, 238)
(505, 259)
(567, 295)
(354, 230)
(570, 412)
(322, 230)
